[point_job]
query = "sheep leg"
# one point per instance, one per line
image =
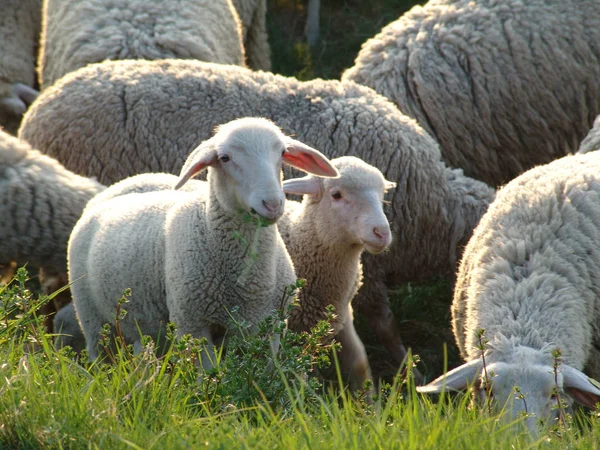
(353, 356)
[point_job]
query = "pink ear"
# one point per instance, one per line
(583, 397)
(307, 159)
(203, 156)
(579, 386)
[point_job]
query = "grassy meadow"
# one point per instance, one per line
(251, 399)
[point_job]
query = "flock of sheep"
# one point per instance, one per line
(447, 104)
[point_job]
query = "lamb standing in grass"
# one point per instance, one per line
(502, 85)
(325, 236)
(88, 124)
(79, 32)
(180, 252)
(19, 31)
(530, 279)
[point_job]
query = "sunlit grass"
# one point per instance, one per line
(49, 399)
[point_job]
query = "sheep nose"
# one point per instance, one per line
(273, 206)
(383, 237)
(382, 234)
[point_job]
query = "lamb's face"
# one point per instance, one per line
(246, 157)
(251, 160)
(353, 206)
(524, 389)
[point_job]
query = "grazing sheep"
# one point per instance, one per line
(41, 202)
(253, 14)
(529, 278)
(181, 252)
(79, 32)
(502, 85)
(19, 31)
(592, 140)
(88, 123)
(325, 236)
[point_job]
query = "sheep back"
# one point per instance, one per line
(77, 33)
(502, 86)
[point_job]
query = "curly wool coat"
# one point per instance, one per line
(502, 85)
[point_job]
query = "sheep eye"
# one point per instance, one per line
(336, 195)
(224, 158)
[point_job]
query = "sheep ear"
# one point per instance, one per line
(580, 387)
(307, 159)
(455, 380)
(308, 185)
(389, 185)
(201, 157)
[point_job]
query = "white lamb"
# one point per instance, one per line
(325, 236)
(181, 252)
(529, 278)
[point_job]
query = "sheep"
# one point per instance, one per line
(79, 32)
(325, 236)
(19, 30)
(529, 278)
(253, 14)
(501, 85)
(592, 140)
(41, 203)
(195, 269)
(329, 261)
(90, 126)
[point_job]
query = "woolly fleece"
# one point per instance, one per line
(253, 14)
(502, 85)
(530, 272)
(79, 32)
(41, 203)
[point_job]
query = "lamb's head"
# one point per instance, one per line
(349, 208)
(245, 157)
(521, 381)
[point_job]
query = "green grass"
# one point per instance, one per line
(49, 399)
